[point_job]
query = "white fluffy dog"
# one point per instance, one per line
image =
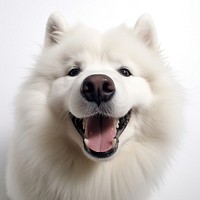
(98, 117)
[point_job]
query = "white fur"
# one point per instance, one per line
(47, 160)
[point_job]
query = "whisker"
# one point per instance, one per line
(62, 115)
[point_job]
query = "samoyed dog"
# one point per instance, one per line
(97, 119)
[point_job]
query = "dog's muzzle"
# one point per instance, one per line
(99, 130)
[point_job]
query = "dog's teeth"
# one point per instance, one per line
(84, 124)
(86, 142)
(116, 123)
(114, 142)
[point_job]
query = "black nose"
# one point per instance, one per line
(98, 88)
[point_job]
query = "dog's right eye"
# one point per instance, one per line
(74, 71)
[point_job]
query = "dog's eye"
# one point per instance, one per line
(124, 71)
(74, 71)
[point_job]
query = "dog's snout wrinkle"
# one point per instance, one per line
(98, 88)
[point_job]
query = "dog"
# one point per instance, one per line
(97, 119)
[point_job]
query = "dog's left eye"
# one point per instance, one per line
(74, 71)
(124, 71)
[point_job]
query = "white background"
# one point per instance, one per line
(22, 26)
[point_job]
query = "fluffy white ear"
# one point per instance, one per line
(146, 31)
(55, 29)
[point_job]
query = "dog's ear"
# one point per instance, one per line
(145, 30)
(55, 29)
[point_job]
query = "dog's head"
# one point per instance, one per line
(101, 84)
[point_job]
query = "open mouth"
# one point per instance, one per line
(100, 133)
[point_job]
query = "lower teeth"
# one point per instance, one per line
(86, 142)
(114, 142)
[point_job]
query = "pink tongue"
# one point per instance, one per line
(100, 132)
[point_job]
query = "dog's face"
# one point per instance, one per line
(99, 82)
